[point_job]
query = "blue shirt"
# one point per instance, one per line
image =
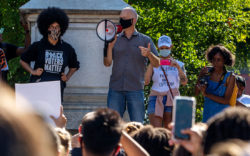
(129, 65)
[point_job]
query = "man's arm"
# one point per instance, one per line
(20, 50)
(107, 61)
(131, 147)
(154, 60)
(146, 52)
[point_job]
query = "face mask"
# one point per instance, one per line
(165, 52)
(126, 23)
(54, 34)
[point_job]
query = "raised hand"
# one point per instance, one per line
(61, 120)
(112, 44)
(37, 72)
(64, 77)
(145, 51)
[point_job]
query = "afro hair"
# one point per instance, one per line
(232, 123)
(49, 16)
(227, 55)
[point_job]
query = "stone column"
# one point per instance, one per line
(87, 89)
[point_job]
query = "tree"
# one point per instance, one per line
(14, 34)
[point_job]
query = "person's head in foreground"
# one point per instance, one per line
(65, 139)
(22, 133)
(233, 147)
(233, 123)
(101, 131)
(131, 127)
(154, 140)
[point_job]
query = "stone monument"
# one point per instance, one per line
(88, 87)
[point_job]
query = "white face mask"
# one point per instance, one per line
(165, 52)
(54, 34)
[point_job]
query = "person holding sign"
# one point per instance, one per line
(51, 54)
(166, 81)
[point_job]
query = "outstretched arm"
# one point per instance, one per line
(21, 50)
(131, 147)
(146, 52)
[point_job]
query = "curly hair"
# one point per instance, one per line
(49, 16)
(154, 140)
(227, 55)
(233, 123)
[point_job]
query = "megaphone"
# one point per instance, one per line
(106, 31)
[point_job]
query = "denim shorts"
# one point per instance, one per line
(151, 105)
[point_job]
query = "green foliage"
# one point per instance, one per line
(14, 34)
(194, 25)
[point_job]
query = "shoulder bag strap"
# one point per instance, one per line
(167, 82)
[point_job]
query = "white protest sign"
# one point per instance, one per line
(42, 97)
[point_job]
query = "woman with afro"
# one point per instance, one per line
(216, 83)
(51, 54)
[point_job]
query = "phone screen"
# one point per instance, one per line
(165, 62)
(183, 115)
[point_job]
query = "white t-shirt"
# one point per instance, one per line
(159, 80)
(245, 100)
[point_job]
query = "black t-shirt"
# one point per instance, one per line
(7, 52)
(9, 49)
(52, 58)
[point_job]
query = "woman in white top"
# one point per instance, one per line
(161, 97)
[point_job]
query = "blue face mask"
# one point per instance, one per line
(165, 52)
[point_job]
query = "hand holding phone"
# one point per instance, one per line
(183, 115)
(165, 62)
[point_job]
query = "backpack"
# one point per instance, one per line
(233, 98)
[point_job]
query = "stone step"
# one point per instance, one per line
(74, 111)
(83, 105)
(85, 97)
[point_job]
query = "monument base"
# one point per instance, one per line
(79, 101)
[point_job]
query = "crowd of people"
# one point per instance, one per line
(104, 133)
(225, 129)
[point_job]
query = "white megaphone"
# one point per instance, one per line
(106, 31)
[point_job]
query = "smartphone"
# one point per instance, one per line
(165, 62)
(183, 115)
